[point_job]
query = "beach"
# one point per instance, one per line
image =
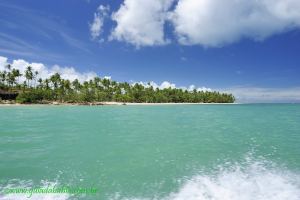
(109, 104)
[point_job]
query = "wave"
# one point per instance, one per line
(250, 180)
(253, 183)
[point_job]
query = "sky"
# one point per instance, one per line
(247, 47)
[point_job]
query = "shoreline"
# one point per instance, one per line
(109, 104)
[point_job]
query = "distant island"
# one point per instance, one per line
(35, 90)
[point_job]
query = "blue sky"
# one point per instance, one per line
(244, 48)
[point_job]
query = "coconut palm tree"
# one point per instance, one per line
(56, 80)
(76, 85)
(16, 73)
(3, 77)
(101, 90)
(35, 77)
(10, 78)
(40, 81)
(47, 84)
(28, 75)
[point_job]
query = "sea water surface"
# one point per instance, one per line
(163, 152)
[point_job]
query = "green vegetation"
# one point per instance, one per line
(54, 88)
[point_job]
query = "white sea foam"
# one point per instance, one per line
(253, 183)
(251, 180)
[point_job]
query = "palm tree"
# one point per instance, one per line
(55, 79)
(47, 84)
(40, 80)
(10, 78)
(35, 77)
(102, 90)
(28, 74)
(3, 77)
(16, 73)
(76, 85)
(106, 82)
(67, 85)
(97, 80)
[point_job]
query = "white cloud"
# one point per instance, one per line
(167, 84)
(257, 94)
(45, 72)
(216, 23)
(163, 85)
(3, 62)
(141, 22)
(71, 74)
(193, 87)
(210, 23)
(204, 89)
(98, 22)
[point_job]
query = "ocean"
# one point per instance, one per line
(162, 152)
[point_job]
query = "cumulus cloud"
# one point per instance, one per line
(96, 27)
(71, 74)
(167, 84)
(45, 72)
(215, 23)
(210, 23)
(193, 87)
(259, 94)
(3, 62)
(141, 23)
(163, 85)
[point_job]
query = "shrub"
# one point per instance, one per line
(30, 97)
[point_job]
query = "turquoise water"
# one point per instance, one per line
(170, 152)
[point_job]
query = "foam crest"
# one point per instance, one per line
(253, 183)
(237, 185)
(248, 180)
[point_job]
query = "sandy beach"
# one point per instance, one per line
(108, 104)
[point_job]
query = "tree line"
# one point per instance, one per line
(55, 88)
